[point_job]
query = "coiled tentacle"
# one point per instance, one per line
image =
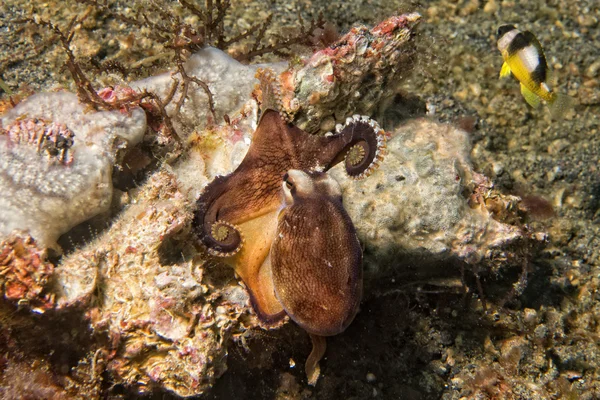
(226, 239)
(221, 238)
(366, 145)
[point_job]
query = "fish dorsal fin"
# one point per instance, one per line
(533, 40)
(530, 37)
(505, 71)
(540, 74)
(532, 99)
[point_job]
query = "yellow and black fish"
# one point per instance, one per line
(524, 58)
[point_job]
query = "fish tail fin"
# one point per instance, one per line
(560, 104)
(532, 99)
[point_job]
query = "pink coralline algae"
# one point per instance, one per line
(50, 138)
(24, 273)
(352, 76)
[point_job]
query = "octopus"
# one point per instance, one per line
(316, 251)
(278, 220)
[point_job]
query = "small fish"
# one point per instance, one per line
(525, 60)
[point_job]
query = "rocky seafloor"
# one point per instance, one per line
(424, 329)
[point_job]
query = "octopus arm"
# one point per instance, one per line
(251, 191)
(221, 238)
(360, 143)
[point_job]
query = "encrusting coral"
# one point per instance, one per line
(56, 161)
(145, 284)
(420, 201)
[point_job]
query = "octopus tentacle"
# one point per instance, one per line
(312, 368)
(271, 93)
(221, 238)
(361, 143)
(364, 156)
(227, 239)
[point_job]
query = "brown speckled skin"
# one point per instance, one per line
(317, 259)
(250, 197)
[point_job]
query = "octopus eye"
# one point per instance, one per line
(288, 184)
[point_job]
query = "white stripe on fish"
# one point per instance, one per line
(530, 57)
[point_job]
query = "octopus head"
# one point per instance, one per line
(302, 185)
(316, 257)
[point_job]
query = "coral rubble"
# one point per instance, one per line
(353, 76)
(167, 325)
